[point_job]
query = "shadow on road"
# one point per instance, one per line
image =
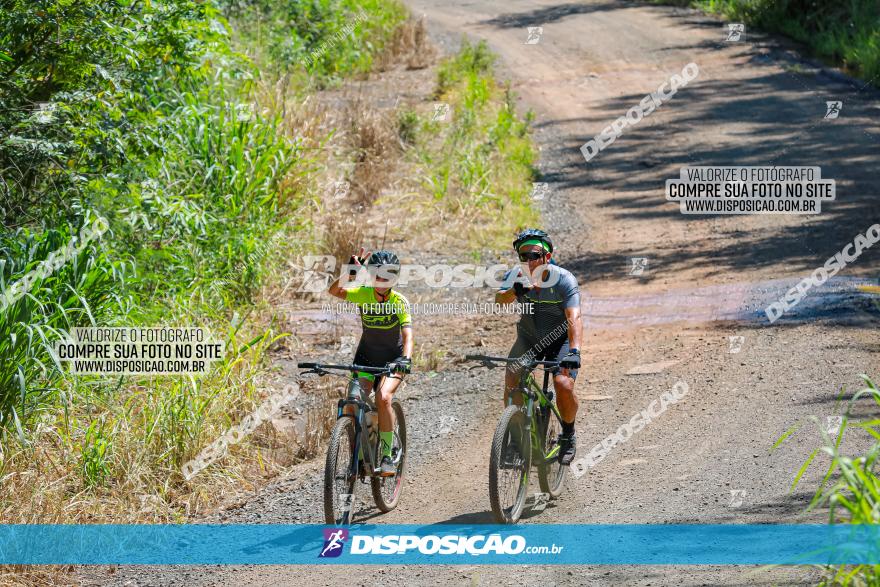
(550, 14)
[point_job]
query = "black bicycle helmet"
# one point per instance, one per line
(532, 234)
(385, 259)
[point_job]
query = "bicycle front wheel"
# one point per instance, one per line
(338, 477)
(509, 463)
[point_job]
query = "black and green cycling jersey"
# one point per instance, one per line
(382, 322)
(549, 304)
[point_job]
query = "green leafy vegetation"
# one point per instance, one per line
(150, 115)
(843, 32)
(850, 487)
(84, 291)
(319, 41)
(477, 157)
(171, 120)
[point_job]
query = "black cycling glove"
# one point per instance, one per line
(571, 361)
(401, 365)
(352, 266)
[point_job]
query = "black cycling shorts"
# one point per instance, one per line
(552, 353)
(371, 356)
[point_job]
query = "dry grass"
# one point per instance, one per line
(320, 420)
(293, 437)
(304, 119)
(143, 484)
(409, 45)
(428, 360)
(375, 147)
(44, 576)
(342, 236)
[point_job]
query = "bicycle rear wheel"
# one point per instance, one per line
(338, 478)
(509, 463)
(386, 490)
(551, 475)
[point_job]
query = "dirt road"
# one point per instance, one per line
(708, 278)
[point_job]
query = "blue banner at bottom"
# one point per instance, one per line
(440, 544)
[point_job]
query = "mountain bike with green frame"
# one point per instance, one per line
(354, 451)
(525, 434)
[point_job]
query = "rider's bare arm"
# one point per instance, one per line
(336, 290)
(407, 335)
(575, 327)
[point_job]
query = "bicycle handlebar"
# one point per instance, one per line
(353, 368)
(487, 360)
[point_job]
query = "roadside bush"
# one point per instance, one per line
(84, 291)
(325, 39)
(482, 158)
(844, 32)
(148, 115)
(76, 82)
(850, 487)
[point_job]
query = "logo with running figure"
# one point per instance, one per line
(735, 343)
(535, 33)
(334, 539)
(638, 265)
(735, 31)
(318, 270)
(736, 498)
(441, 112)
(833, 109)
(540, 190)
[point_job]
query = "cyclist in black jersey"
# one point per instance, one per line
(386, 340)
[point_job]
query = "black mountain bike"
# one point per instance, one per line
(354, 451)
(525, 435)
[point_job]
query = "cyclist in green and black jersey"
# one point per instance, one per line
(386, 340)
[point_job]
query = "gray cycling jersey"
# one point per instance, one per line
(548, 306)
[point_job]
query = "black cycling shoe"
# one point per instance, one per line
(567, 448)
(387, 468)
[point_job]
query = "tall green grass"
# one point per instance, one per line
(210, 195)
(482, 160)
(85, 291)
(160, 124)
(850, 487)
(319, 41)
